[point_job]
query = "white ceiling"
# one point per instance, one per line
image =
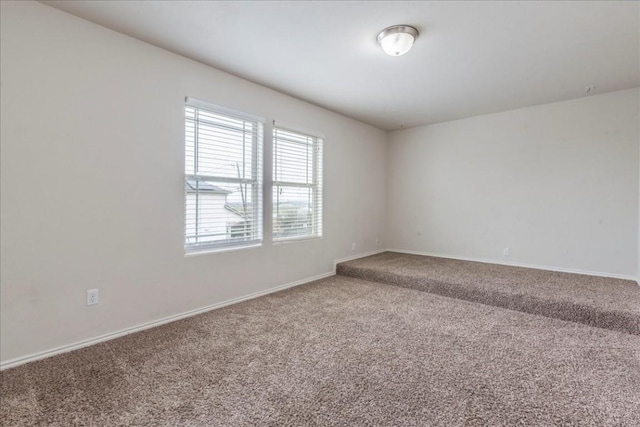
(471, 58)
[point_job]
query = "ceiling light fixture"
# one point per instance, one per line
(397, 39)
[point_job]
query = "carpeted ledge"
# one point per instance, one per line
(596, 301)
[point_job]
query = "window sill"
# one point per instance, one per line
(296, 239)
(205, 251)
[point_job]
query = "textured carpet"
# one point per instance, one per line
(339, 352)
(596, 301)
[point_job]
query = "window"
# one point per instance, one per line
(223, 177)
(297, 185)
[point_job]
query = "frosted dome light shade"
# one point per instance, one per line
(397, 44)
(397, 40)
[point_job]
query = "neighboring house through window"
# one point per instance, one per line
(223, 177)
(297, 184)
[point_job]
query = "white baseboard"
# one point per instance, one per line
(91, 341)
(518, 264)
(11, 363)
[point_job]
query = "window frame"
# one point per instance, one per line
(316, 185)
(255, 182)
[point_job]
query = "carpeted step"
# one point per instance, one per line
(596, 301)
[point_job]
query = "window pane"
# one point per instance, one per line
(292, 211)
(294, 161)
(225, 151)
(218, 212)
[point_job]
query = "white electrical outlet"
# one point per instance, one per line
(353, 246)
(505, 251)
(92, 296)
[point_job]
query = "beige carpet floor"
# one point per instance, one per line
(596, 301)
(339, 352)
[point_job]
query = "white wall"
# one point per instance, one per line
(92, 142)
(556, 183)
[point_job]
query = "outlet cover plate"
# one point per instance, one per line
(92, 297)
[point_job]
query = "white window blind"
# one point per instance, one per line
(223, 177)
(297, 184)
